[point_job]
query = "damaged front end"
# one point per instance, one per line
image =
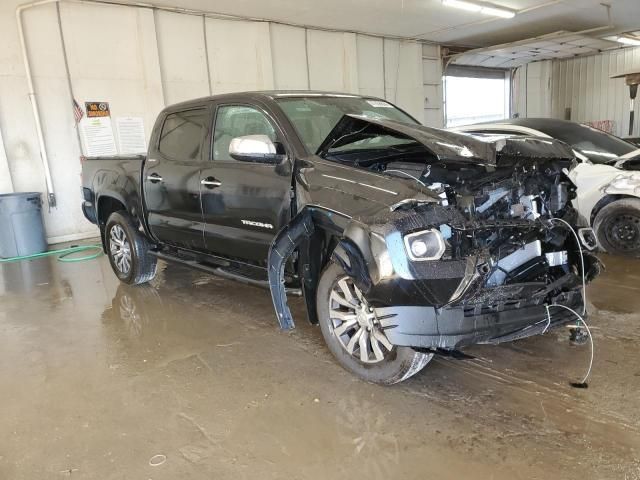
(490, 284)
(479, 252)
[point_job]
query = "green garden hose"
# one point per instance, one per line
(63, 253)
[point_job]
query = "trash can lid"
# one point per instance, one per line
(19, 194)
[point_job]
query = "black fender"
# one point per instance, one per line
(318, 236)
(282, 247)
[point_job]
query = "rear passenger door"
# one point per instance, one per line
(244, 204)
(171, 177)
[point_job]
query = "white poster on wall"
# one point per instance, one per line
(131, 138)
(97, 135)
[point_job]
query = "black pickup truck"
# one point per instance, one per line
(404, 241)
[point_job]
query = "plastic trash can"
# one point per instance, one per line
(21, 227)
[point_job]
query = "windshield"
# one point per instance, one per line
(314, 118)
(596, 145)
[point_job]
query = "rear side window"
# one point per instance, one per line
(182, 135)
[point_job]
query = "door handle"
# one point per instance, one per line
(154, 178)
(210, 182)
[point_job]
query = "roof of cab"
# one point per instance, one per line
(269, 94)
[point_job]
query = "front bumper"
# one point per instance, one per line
(457, 327)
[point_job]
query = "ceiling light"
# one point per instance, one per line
(480, 8)
(498, 12)
(462, 5)
(628, 40)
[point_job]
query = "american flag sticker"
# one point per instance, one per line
(77, 111)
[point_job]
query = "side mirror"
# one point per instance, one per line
(255, 148)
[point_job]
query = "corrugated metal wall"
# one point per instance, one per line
(583, 85)
(531, 90)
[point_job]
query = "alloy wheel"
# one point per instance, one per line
(355, 324)
(120, 249)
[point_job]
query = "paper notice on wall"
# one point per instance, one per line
(97, 135)
(131, 139)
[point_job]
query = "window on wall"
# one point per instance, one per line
(474, 95)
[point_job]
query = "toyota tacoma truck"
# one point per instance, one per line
(403, 241)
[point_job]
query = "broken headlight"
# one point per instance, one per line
(424, 245)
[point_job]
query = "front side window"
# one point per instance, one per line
(237, 121)
(182, 135)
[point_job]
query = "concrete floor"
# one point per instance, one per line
(96, 378)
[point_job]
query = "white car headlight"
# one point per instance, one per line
(424, 245)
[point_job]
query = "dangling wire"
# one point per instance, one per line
(584, 282)
(583, 383)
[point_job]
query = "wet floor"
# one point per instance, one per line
(97, 378)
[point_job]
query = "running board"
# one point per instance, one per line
(220, 272)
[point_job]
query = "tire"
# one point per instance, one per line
(617, 227)
(123, 241)
(397, 363)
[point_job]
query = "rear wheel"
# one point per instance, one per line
(355, 335)
(128, 250)
(617, 227)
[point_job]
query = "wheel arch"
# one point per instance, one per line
(311, 239)
(107, 204)
(603, 202)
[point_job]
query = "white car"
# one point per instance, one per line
(607, 176)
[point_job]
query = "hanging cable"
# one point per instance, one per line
(584, 282)
(583, 383)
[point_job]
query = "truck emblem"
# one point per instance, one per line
(257, 224)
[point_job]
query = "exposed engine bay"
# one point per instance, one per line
(509, 217)
(512, 214)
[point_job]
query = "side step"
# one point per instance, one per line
(228, 271)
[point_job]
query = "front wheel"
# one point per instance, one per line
(128, 251)
(355, 336)
(617, 227)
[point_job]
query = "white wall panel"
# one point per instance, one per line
(531, 90)
(50, 83)
(130, 79)
(239, 55)
(432, 86)
(370, 65)
(333, 64)
(183, 59)
(289, 55)
(403, 75)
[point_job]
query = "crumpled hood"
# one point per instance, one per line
(446, 145)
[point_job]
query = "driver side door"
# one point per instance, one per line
(244, 203)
